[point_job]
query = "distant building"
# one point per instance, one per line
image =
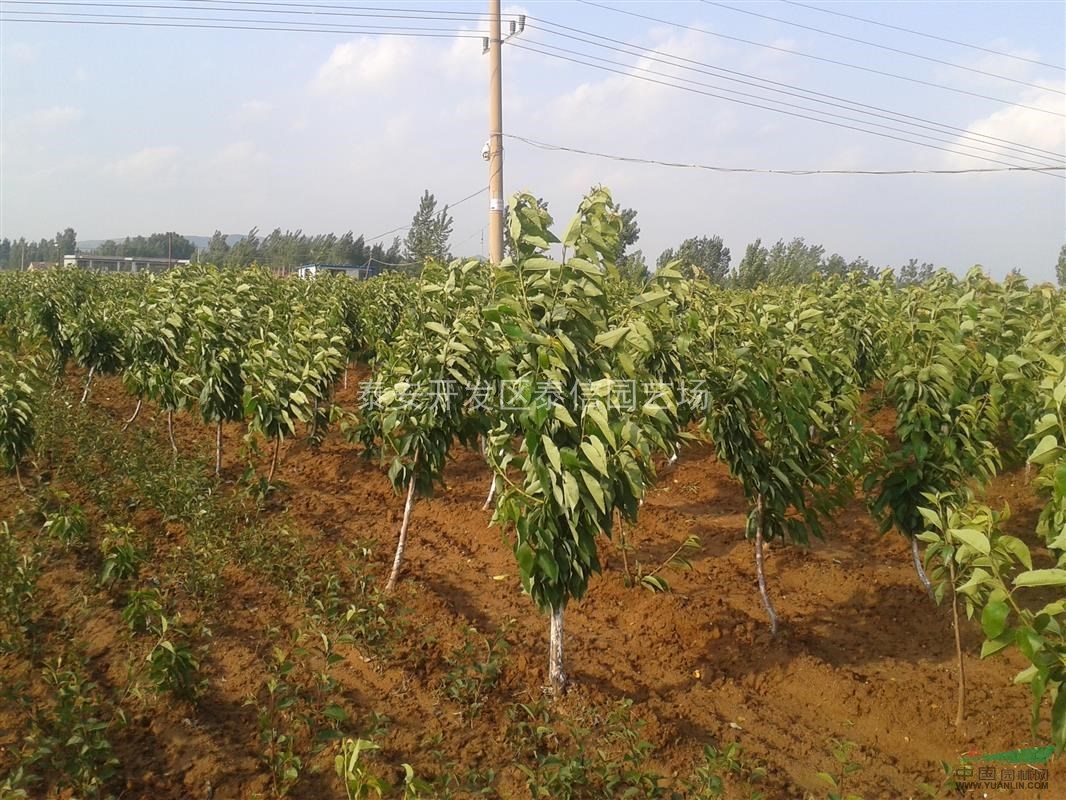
(359, 273)
(122, 263)
(36, 265)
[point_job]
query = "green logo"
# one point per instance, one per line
(1028, 755)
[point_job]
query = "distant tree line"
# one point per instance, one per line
(20, 252)
(291, 249)
(428, 237)
(158, 245)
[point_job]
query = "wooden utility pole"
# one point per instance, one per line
(496, 204)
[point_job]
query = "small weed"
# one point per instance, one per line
(141, 606)
(69, 738)
(277, 707)
(19, 570)
(172, 665)
(950, 784)
(121, 560)
(67, 523)
(563, 759)
(361, 783)
(709, 778)
(841, 750)
(474, 670)
(451, 781)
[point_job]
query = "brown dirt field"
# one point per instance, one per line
(861, 653)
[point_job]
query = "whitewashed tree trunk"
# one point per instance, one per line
(136, 412)
(170, 432)
(761, 572)
(401, 545)
(920, 569)
(556, 672)
(492, 494)
(960, 706)
(218, 448)
(274, 459)
(88, 383)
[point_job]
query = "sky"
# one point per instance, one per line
(120, 130)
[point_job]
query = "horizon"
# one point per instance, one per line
(302, 130)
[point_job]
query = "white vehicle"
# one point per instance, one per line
(311, 270)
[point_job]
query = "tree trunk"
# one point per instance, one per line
(401, 545)
(218, 448)
(921, 570)
(18, 478)
(492, 493)
(274, 459)
(760, 572)
(136, 411)
(556, 673)
(88, 383)
(960, 709)
(170, 432)
(345, 376)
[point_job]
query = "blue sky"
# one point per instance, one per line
(117, 131)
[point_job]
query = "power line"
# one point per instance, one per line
(758, 82)
(324, 27)
(311, 8)
(954, 141)
(348, 7)
(710, 168)
(470, 196)
(824, 59)
(926, 35)
(239, 6)
(880, 46)
(279, 28)
(758, 105)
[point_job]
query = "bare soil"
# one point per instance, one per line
(861, 655)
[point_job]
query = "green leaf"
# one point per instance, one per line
(597, 456)
(336, 713)
(930, 516)
(972, 537)
(994, 618)
(551, 451)
(993, 646)
(1041, 577)
(561, 414)
(1046, 451)
(610, 338)
(525, 556)
(571, 491)
(595, 490)
(654, 583)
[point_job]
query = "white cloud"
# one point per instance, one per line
(1028, 126)
(364, 64)
(252, 110)
(22, 53)
(45, 118)
(29, 134)
(240, 151)
(149, 163)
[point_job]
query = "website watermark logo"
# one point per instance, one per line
(1011, 769)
